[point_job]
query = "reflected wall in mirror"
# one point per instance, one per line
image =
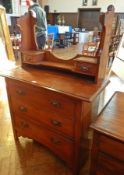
(5, 42)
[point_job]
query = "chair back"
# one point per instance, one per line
(50, 41)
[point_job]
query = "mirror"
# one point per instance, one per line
(83, 27)
(6, 49)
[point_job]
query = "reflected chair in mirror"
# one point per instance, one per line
(75, 38)
(61, 40)
(16, 40)
(50, 41)
(68, 39)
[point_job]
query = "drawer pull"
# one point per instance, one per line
(56, 104)
(24, 124)
(55, 141)
(20, 91)
(56, 123)
(85, 68)
(22, 109)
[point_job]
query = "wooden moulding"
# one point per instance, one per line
(78, 64)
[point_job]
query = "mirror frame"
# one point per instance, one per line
(5, 28)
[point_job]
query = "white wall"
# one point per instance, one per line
(73, 5)
(19, 9)
(15, 7)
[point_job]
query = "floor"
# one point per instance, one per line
(68, 52)
(28, 157)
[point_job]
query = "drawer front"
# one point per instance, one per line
(86, 68)
(42, 98)
(32, 58)
(109, 166)
(45, 116)
(112, 147)
(58, 144)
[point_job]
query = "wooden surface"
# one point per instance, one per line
(111, 120)
(28, 156)
(54, 109)
(96, 70)
(108, 141)
(65, 83)
(27, 24)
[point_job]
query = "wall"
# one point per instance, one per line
(73, 5)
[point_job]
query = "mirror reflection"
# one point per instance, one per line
(70, 29)
(67, 31)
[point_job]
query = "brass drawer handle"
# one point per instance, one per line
(55, 141)
(22, 108)
(55, 103)
(24, 124)
(85, 68)
(20, 91)
(56, 123)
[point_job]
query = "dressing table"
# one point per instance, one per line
(54, 101)
(54, 109)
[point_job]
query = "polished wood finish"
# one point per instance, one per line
(108, 142)
(94, 66)
(54, 109)
(108, 18)
(27, 25)
(28, 156)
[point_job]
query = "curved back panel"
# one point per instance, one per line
(26, 24)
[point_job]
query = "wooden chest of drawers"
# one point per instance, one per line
(108, 142)
(55, 109)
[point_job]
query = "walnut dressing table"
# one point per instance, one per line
(53, 108)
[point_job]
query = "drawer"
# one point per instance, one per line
(109, 166)
(86, 68)
(32, 58)
(42, 98)
(58, 144)
(112, 147)
(45, 116)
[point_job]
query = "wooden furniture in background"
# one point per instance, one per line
(70, 18)
(108, 141)
(55, 109)
(88, 18)
(75, 36)
(14, 29)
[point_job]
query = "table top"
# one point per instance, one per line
(111, 120)
(65, 83)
